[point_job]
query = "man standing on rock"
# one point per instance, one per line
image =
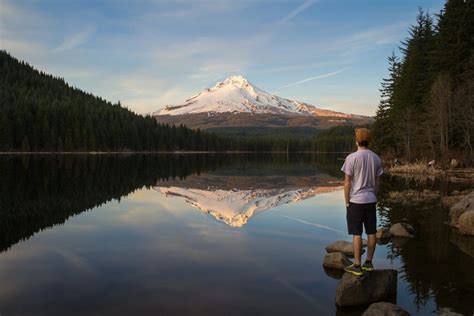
(362, 171)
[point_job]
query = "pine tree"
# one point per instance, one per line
(384, 134)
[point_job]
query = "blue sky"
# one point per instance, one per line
(147, 54)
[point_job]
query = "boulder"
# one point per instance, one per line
(466, 223)
(336, 260)
(344, 247)
(383, 233)
(465, 204)
(376, 286)
(385, 309)
(402, 230)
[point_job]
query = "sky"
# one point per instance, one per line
(150, 53)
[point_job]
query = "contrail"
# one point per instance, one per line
(315, 78)
(314, 224)
(297, 11)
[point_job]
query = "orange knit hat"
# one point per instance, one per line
(362, 134)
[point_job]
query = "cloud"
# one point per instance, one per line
(315, 78)
(74, 41)
(300, 9)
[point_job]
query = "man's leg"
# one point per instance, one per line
(370, 223)
(370, 246)
(357, 241)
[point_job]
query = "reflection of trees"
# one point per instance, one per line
(431, 264)
(39, 192)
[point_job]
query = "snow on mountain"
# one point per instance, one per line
(237, 95)
(236, 207)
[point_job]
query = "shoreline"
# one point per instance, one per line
(176, 152)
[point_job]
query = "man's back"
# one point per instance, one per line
(363, 166)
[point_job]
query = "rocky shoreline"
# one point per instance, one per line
(375, 292)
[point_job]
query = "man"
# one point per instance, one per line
(362, 171)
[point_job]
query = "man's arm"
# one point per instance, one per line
(347, 188)
(377, 181)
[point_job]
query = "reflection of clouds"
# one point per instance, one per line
(313, 224)
(145, 207)
(38, 263)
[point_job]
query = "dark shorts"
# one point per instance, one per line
(358, 214)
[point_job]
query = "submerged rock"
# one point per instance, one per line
(343, 246)
(334, 273)
(463, 242)
(399, 242)
(446, 311)
(464, 205)
(336, 260)
(402, 230)
(376, 286)
(385, 309)
(383, 233)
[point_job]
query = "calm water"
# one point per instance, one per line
(205, 234)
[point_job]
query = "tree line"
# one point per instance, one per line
(426, 108)
(40, 112)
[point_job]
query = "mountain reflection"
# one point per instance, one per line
(37, 192)
(234, 199)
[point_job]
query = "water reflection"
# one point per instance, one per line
(37, 192)
(145, 239)
(234, 199)
(437, 264)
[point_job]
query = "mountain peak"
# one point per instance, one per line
(236, 80)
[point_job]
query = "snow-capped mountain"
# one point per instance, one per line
(237, 95)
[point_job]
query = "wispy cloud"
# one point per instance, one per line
(300, 9)
(75, 40)
(315, 78)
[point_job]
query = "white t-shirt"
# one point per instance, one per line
(364, 166)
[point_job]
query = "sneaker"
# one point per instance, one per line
(368, 266)
(355, 270)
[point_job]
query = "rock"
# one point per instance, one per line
(466, 223)
(385, 309)
(446, 311)
(376, 286)
(383, 233)
(402, 230)
(336, 260)
(454, 163)
(465, 204)
(343, 246)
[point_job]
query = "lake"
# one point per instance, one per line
(208, 234)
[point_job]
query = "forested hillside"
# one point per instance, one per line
(426, 108)
(39, 112)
